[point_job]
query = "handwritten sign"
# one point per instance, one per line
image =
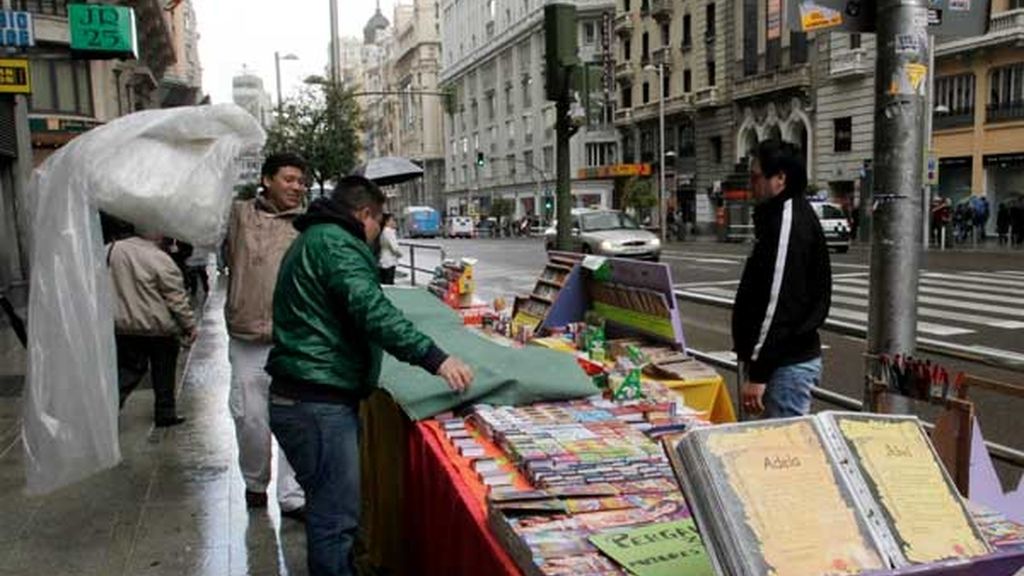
(102, 31)
(665, 549)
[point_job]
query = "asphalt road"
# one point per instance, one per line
(974, 299)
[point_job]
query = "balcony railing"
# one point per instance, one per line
(798, 76)
(707, 96)
(662, 9)
(625, 70)
(1007, 20)
(1005, 112)
(623, 115)
(849, 63)
(954, 119)
(624, 23)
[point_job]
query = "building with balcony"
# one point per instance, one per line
(181, 84)
(499, 132)
(685, 43)
(415, 74)
(979, 114)
(844, 114)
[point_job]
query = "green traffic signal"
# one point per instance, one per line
(480, 159)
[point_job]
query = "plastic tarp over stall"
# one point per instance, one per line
(170, 171)
(503, 375)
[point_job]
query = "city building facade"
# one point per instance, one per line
(248, 92)
(499, 129)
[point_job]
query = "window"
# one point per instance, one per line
(956, 94)
(798, 48)
(625, 5)
(687, 81)
(510, 129)
(687, 36)
(645, 48)
(474, 113)
(709, 30)
(687, 141)
(527, 92)
(750, 39)
(646, 92)
(53, 7)
(716, 149)
(490, 105)
(854, 41)
(528, 161)
(627, 96)
(589, 33)
(666, 85)
(711, 73)
(509, 106)
(510, 162)
(1006, 87)
(61, 86)
(627, 50)
(549, 158)
(666, 34)
(843, 134)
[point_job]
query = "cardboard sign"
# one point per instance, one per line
(664, 549)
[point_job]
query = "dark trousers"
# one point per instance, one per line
(387, 276)
(158, 355)
(321, 442)
(195, 277)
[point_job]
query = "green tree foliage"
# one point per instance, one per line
(638, 196)
(321, 124)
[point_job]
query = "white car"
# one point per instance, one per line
(608, 233)
(834, 224)
(460, 227)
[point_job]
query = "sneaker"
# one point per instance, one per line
(255, 499)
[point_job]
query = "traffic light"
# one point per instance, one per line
(480, 159)
(560, 48)
(549, 204)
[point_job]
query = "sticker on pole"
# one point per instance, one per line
(907, 44)
(909, 80)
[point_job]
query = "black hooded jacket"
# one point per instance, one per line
(786, 289)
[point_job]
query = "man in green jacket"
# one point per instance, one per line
(332, 323)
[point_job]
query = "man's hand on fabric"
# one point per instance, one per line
(456, 374)
(752, 395)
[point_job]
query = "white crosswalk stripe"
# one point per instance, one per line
(949, 305)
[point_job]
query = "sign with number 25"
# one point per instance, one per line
(102, 31)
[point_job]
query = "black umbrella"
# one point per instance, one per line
(390, 170)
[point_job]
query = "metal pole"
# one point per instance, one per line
(277, 69)
(412, 264)
(900, 108)
(335, 49)
(928, 129)
(563, 185)
(662, 220)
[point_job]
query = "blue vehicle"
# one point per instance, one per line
(422, 222)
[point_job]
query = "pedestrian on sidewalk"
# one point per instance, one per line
(152, 319)
(259, 232)
(786, 289)
(1003, 223)
(332, 322)
(390, 251)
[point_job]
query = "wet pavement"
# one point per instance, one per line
(174, 506)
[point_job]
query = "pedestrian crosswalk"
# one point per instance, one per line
(949, 304)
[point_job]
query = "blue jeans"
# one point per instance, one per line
(789, 389)
(321, 442)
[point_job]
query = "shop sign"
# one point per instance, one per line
(54, 124)
(614, 171)
(102, 31)
(16, 30)
(14, 76)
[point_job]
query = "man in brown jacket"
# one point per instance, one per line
(152, 318)
(259, 233)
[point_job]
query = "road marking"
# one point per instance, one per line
(979, 279)
(854, 266)
(850, 275)
(960, 285)
(939, 302)
(1013, 356)
(998, 275)
(708, 283)
(922, 327)
(983, 296)
(934, 312)
(1013, 272)
(736, 257)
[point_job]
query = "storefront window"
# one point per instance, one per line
(63, 86)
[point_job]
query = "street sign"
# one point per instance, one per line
(14, 76)
(16, 30)
(102, 31)
(932, 169)
(946, 18)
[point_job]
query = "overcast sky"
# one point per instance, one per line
(234, 33)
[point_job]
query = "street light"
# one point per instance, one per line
(661, 145)
(277, 68)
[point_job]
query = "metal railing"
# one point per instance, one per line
(1001, 452)
(411, 266)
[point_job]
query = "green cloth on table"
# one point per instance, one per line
(503, 376)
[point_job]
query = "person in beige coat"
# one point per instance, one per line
(259, 232)
(152, 319)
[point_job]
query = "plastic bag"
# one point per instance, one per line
(168, 171)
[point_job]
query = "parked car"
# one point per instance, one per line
(834, 224)
(608, 233)
(460, 227)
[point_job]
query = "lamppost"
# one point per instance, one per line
(277, 68)
(662, 223)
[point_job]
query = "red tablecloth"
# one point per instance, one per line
(447, 522)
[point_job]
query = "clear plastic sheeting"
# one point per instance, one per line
(169, 171)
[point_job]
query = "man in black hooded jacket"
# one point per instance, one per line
(786, 289)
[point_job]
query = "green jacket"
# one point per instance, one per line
(331, 319)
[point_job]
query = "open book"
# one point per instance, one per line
(834, 493)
